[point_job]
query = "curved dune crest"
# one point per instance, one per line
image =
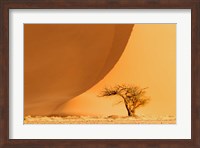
(149, 60)
(63, 61)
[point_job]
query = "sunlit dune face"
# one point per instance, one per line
(92, 105)
(149, 60)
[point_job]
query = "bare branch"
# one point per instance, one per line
(133, 96)
(118, 102)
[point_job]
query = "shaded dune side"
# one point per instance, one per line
(63, 61)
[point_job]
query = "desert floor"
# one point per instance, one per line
(100, 120)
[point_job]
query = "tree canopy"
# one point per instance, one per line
(133, 96)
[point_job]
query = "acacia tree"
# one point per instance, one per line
(133, 96)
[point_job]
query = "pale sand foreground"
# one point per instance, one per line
(100, 120)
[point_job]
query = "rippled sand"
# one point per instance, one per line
(99, 120)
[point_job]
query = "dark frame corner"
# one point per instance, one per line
(5, 5)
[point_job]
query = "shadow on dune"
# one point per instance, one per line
(63, 61)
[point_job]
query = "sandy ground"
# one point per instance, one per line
(100, 120)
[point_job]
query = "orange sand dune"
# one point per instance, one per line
(149, 60)
(63, 60)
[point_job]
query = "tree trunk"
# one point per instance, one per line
(130, 112)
